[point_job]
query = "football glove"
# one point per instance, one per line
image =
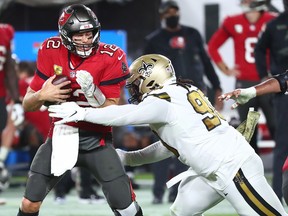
(68, 111)
(245, 95)
(92, 93)
(17, 114)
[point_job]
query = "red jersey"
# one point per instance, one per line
(108, 68)
(245, 36)
(39, 119)
(6, 36)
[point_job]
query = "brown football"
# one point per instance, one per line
(56, 81)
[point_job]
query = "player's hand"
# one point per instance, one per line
(69, 112)
(85, 80)
(233, 72)
(122, 155)
(17, 114)
(55, 93)
(241, 96)
(92, 93)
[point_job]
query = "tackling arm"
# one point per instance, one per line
(152, 153)
(147, 112)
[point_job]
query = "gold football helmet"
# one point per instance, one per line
(148, 72)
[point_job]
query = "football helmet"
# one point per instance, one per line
(78, 18)
(253, 5)
(147, 73)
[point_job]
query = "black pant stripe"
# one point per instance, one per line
(252, 197)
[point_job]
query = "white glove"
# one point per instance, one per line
(17, 114)
(122, 155)
(245, 95)
(69, 112)
(92, 93)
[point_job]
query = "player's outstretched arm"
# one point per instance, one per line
(241, 96)
(273, 85)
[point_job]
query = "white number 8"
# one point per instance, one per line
(249, 49)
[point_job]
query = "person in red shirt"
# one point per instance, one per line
(8, 88)
(96, 73)
(243, 29)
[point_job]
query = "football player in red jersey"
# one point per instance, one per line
(8, 87)
(244, 29)
(96, 73)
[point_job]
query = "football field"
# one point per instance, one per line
(72, 207)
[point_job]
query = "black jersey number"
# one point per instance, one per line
(202, 106)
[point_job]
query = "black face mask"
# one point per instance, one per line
(172, 21)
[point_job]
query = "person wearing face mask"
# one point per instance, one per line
(184, 46)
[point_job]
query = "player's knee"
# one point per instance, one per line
(133, 209)
(30, 207)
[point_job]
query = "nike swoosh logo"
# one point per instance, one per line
(120, 57)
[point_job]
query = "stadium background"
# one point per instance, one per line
(133, 20)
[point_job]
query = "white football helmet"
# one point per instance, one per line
(149, 72)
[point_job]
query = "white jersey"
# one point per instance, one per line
(189, 126)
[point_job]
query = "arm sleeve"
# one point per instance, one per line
(209, 69)
(150, 154)
(151, 110)
(216, 41)
(261, 53)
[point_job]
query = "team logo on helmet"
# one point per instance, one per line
(63, 18)
(145, 69)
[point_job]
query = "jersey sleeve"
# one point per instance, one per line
(44, 66)
(146, 112)
(115, 75)
(217, 40)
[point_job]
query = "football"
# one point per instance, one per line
(58, 80)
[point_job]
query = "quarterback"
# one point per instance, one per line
(222, 164)
(96, 73)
